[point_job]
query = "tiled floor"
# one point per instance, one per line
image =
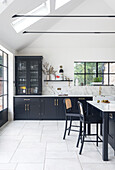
(39, 145)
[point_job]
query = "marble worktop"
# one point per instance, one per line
(53, 96)
(105, 107)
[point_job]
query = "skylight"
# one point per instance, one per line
(4, 4)
(60, 3)
(22, 23)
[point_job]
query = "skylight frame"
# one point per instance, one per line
(21, 23)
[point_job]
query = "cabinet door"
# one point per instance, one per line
(35, 77)
(60, 109)
(21, 76)
(34, 109)
(28, 75)
(50, 109)
(20, 109)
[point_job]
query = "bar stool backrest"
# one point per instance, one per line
(80, 108)
(68, 104)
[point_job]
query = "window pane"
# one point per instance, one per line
(90, 79)
(5, 87)
(1, 103)
(3, 73)
(5, 60)
(1, 58)
(112, 67)
(78, 80)
(78, 67)
(102, 67)
(90, 67)
(5, 102)
(103, 78)
(112, 79)
(1, 87)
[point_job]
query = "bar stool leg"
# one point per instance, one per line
(97, 134)
(80, 134)
(84, 130)
(65, 129)
(70, 126)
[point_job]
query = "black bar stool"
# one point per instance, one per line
(87, 119)
(70, 115)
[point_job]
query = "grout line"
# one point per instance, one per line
(45, 157)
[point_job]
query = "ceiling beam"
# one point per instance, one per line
(67, 32)
(65, 16)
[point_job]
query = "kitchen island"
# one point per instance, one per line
(107, 111)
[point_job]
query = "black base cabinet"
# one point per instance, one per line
(111, 135)
(43, 108)
(27, 108)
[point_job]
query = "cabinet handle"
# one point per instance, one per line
(81, 98)
(57, 102)
(110, 115)
(26, 99)
(25, 107)
(28, 107)
(54, 102)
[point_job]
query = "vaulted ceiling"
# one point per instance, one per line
(17, 41)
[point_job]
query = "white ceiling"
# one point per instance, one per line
(15, 41)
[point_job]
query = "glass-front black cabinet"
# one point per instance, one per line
(28, 75)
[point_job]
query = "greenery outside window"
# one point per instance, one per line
(94, 73)
(3, 80)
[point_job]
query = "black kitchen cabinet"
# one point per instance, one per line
(50, 105)
(28, 75)
(54, 109)
(27, 109)
(43, 108)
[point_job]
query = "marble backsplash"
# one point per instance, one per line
(54, 88)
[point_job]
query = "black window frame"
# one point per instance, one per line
(3, 80)
(96, 73)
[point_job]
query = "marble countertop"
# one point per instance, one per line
(105, 107)
(53, 96)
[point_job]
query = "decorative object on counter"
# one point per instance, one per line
(49, 71)
(105, 101)
(61, 73)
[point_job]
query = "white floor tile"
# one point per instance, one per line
(64, 164)
(97, 166)
(59, 147)
(8, 166)
(29, 138)
(5, 157)
(30, 167)
(90, 157)
(28, 156)
(61, 155)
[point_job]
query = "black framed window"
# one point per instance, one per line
(3, 80)
(94, 73)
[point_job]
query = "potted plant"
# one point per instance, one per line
(97, 81)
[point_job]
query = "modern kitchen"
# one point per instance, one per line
(57, 84)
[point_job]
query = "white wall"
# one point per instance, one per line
(64, 51)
